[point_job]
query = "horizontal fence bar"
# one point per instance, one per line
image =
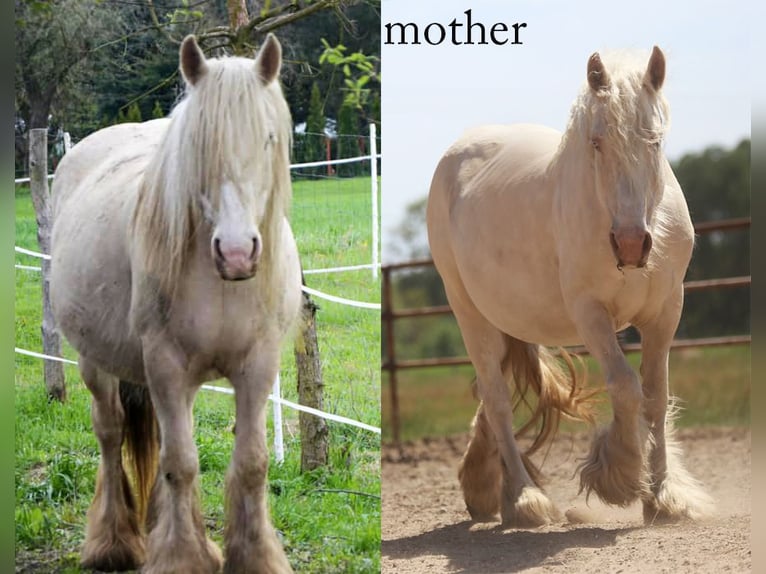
(689, 287)
(293, 166)
(420, 312)
(26, 179)
(302, 408)
(627, 348)
(721, 225)
(702, 284)
(334, 161)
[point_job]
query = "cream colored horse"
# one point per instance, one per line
(550, 239)
(173, 263)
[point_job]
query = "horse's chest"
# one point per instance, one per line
(630, 296)
(218, 326)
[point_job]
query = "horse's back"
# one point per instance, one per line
(102, 152)
(94, 193)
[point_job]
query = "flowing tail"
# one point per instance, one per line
(559, 389)
(141, 442)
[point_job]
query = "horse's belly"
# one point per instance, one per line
(91, 285)
(525, 303)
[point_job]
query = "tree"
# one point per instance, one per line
(52, 39)
(314, 138)
(157, 112)
(348, 139)
(716, 183)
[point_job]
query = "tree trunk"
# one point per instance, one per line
(38, 185)
(314, 432)
(237, 10)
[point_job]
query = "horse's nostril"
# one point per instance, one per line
(647, 246)
(217, 248)
(254, 252)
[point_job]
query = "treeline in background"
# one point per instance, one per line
(82, 65)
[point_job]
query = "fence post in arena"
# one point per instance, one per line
(374, 184)
(38, 187)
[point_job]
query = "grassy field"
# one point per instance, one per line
(713, 386)
(329, 518)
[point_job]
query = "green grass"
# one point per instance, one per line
(712, 385)
(323, 530)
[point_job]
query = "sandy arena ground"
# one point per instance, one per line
(427, 529)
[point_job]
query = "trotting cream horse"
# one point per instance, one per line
(173, 263)
(544, 239)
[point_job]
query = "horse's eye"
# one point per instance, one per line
(596, 143)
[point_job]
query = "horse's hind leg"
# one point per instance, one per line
(522, 503)
(251, 543)
(113, 537)
(176, 541)
(481, 470)
(675, 494)
(614, 468)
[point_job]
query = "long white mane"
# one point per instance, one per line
(629, 109)
(217, 132)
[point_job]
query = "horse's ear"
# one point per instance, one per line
(655, 71)
(597, 76)
(269, 59)
(193, 65)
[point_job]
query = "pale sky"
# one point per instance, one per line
(431, 94)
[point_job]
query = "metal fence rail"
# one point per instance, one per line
(390, 315)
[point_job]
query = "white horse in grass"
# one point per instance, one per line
(550, 239)
(173, 264)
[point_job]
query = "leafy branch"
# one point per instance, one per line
(358, 69)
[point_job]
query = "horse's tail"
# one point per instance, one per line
(141, 441)
(558, 385)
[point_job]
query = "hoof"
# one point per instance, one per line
(264, 555)
(114, 556)
(613, 470)
(112, 547)
(676, 502)
(480, 515)
(206, 561)
(532, 509)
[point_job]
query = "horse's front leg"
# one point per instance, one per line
(675, 494)
(614, 468)
(251, 543)
(176, 539)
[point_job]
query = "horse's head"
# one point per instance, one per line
(628, 119)
(240, 142)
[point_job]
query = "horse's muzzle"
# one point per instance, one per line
(235, 263)
(631, 246)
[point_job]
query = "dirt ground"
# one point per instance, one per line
(427, 529)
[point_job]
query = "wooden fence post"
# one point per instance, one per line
(38, 186)
(314, 431)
